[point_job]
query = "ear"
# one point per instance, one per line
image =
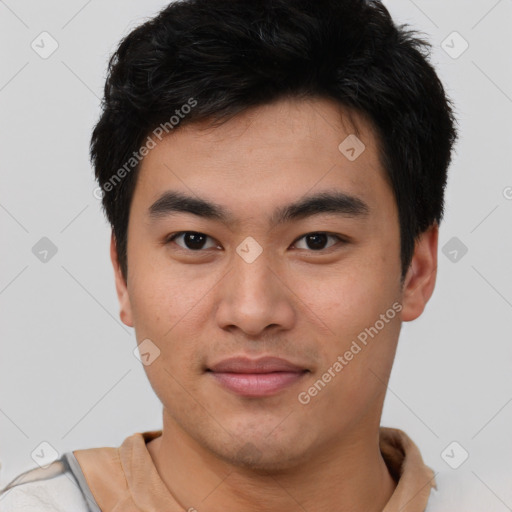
(125, 312)
(421, 276)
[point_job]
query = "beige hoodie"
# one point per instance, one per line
(125, 479)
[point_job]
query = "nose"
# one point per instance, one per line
(255, 297)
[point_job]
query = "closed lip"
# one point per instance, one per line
(260, 365)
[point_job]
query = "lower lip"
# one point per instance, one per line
(257, 384)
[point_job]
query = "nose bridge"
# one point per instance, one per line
(251, 296)
(253, 279)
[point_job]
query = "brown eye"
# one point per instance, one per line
(317, 241)
(191, 240)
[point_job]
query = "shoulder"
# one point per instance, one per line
(50, 489)
(471, 491)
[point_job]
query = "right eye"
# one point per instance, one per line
(192, 241)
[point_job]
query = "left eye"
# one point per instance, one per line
(317, 241)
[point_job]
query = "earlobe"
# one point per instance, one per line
(421, 276)
(125, 312)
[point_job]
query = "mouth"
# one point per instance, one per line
(256, 378)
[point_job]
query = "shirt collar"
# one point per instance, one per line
(125, 479)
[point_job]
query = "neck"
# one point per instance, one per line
(350, 475)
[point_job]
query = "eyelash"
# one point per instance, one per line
(341, 239)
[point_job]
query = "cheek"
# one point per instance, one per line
(346, 299)
(360, 312)
(357, 362)
(166, 313)
(169, 309)
(163, 295)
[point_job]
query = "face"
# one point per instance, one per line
(236, 271)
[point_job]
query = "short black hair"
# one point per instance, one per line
(208, 60)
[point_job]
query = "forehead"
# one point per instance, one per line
(270, 154)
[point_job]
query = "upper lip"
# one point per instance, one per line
(261, 365)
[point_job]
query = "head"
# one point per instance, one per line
(224, 134)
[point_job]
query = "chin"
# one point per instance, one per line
(264, 455)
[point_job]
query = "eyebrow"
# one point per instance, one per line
(329, 202)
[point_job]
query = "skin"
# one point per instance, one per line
(220, 451)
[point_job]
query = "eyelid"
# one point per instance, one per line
(170, 238)
(341, 239)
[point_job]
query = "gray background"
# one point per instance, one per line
(68, 375)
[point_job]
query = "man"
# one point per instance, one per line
(274, 174)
